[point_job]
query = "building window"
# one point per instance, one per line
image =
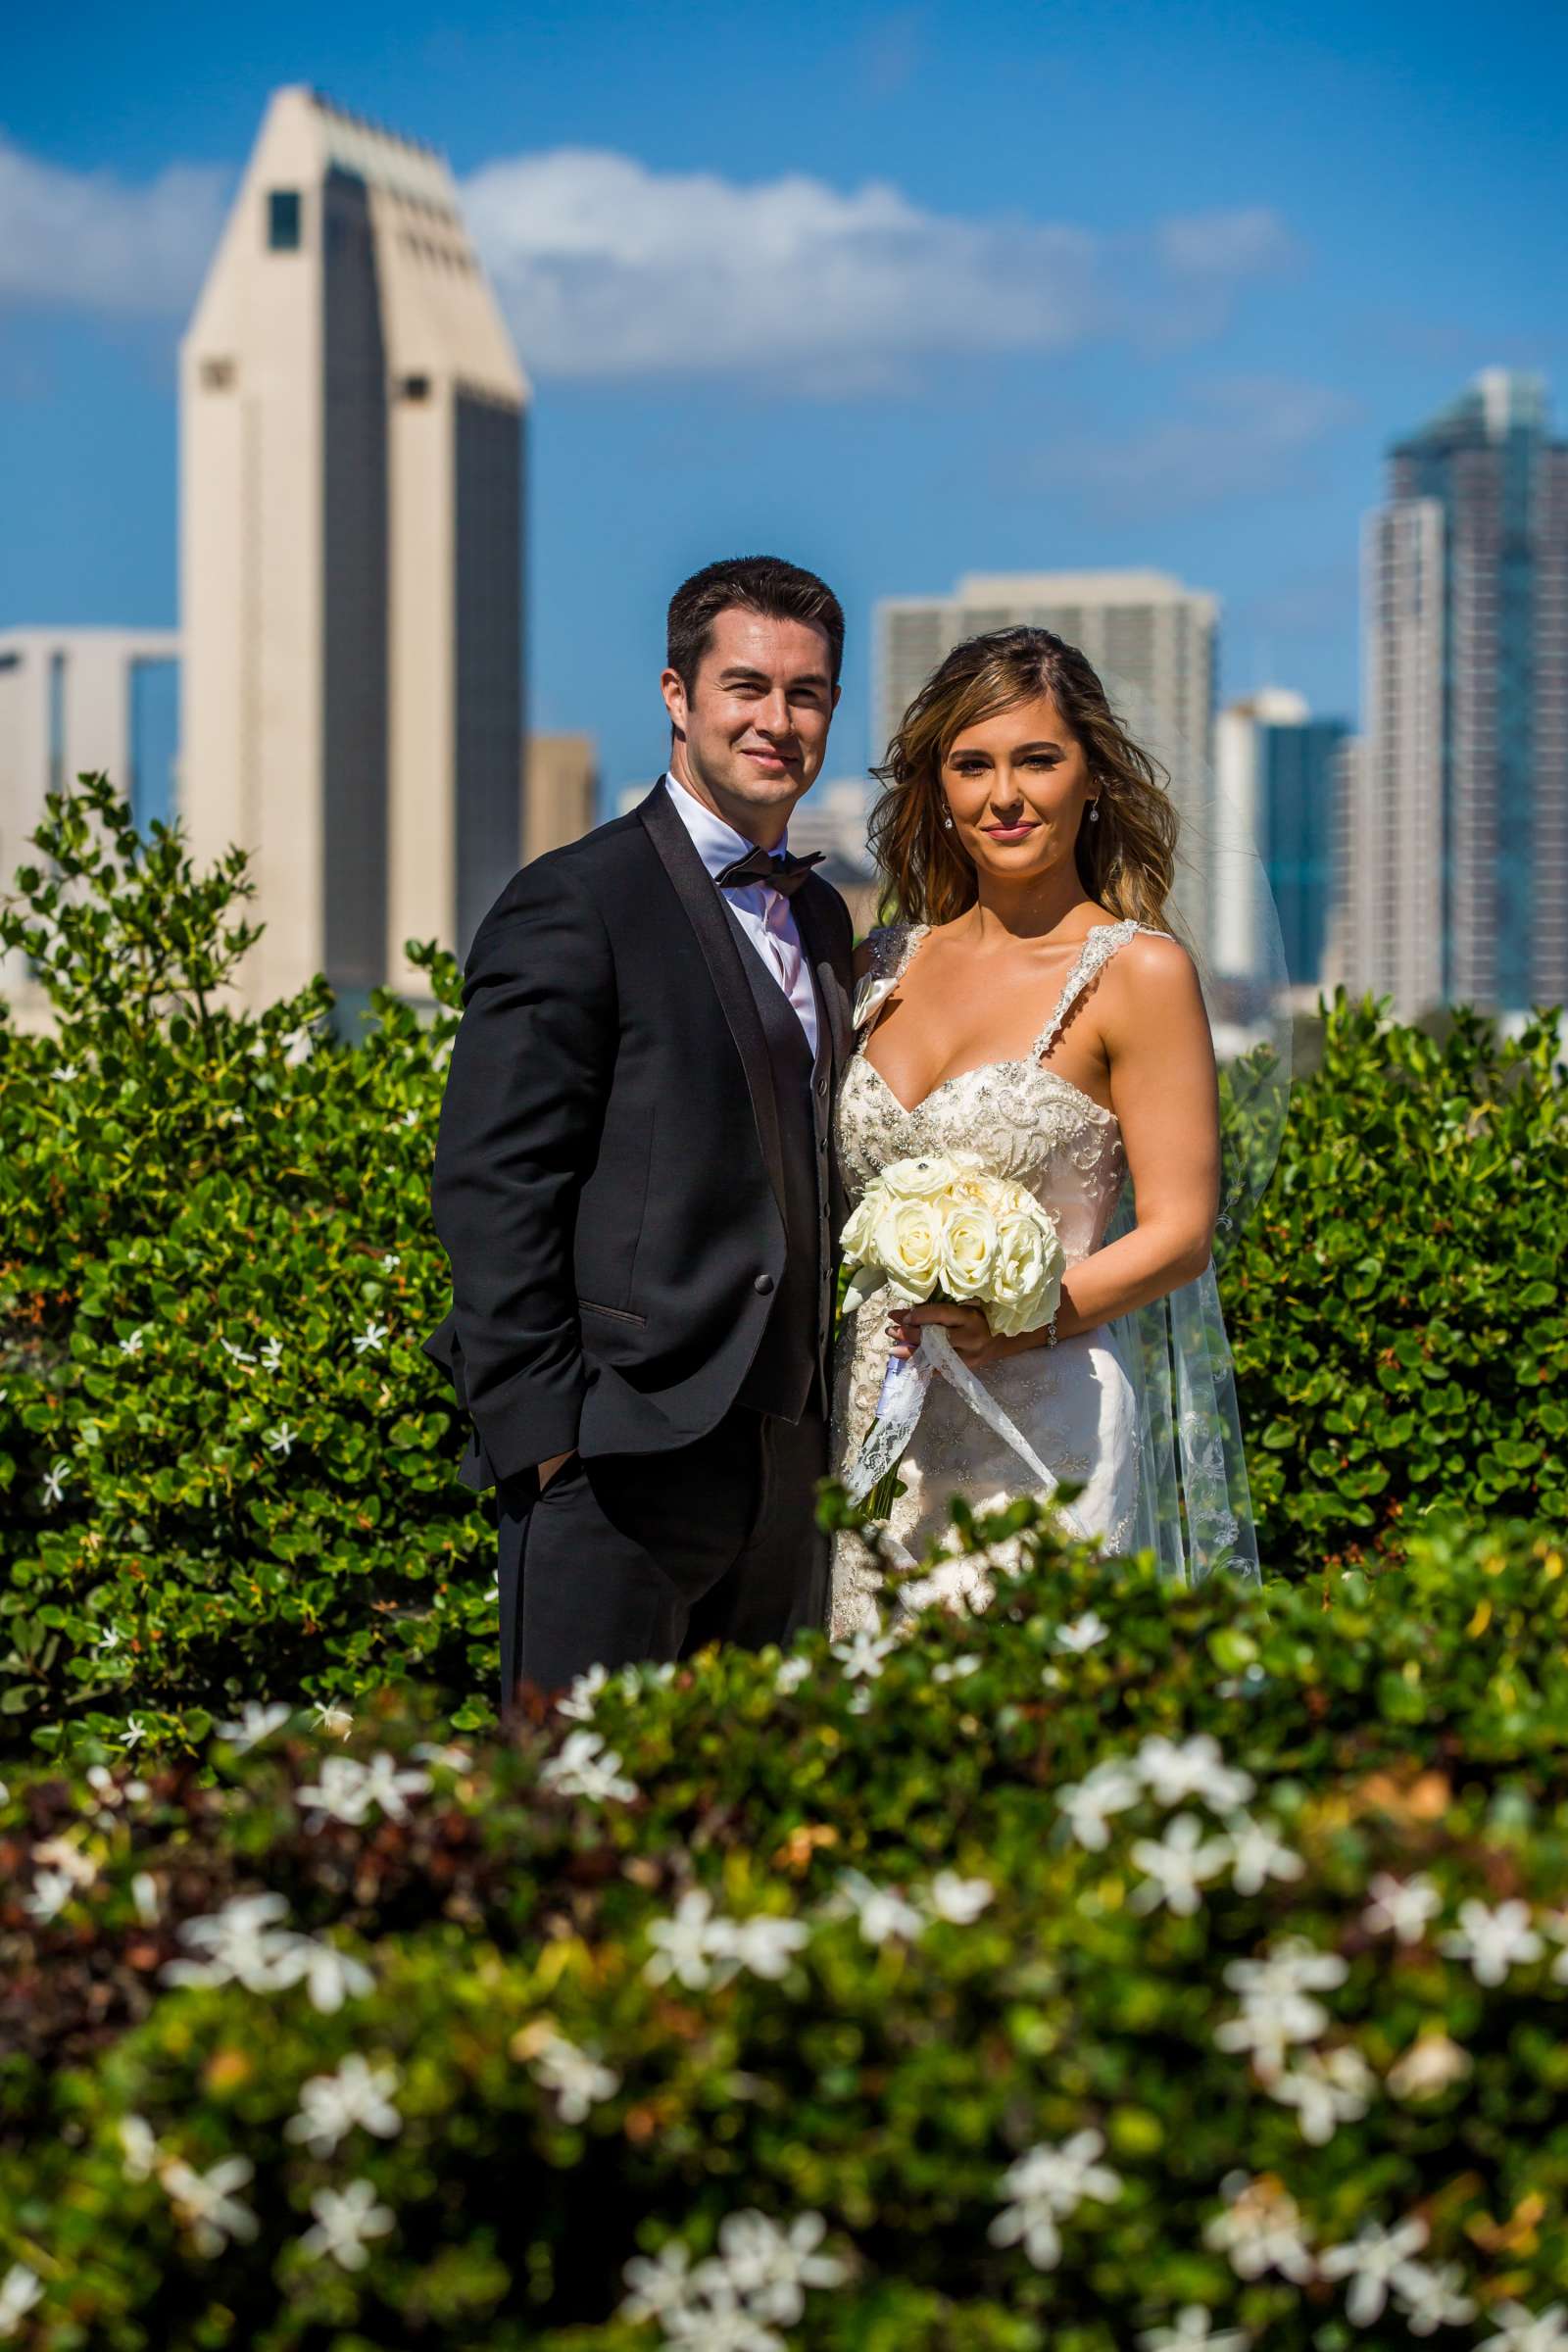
(413, 387)
(284, 220)
(217, 376)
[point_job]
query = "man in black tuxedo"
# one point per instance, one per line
(635, 1178)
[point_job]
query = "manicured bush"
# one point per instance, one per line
(1035, 1980)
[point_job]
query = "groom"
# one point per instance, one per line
(634, 1177)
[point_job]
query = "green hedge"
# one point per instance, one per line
(227, 1471)
(825, 1978)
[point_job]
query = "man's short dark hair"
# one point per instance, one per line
(756, 584)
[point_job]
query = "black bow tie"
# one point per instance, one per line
(784, 872)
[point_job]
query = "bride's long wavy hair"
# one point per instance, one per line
(1126, 862)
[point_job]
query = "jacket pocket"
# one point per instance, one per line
(616, 1314)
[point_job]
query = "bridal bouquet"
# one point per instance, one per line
(940, 1227)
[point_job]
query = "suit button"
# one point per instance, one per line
(822, 1143)
(762, 1285)
(821, 1090)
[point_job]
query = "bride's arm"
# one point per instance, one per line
(1154, 1035)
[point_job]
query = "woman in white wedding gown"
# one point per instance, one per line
(1035, 1011)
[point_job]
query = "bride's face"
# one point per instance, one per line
(1016, 787)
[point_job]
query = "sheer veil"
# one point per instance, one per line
(1195, 1502)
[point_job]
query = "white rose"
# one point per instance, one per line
(909, 1244)
(919, 1179)
(968, 1250)
(856, 1241)
(1026, 1275)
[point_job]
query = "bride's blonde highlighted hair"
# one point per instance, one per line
(1126, 862)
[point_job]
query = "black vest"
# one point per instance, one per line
(788, 1375)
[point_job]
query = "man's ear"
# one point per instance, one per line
(672, 686)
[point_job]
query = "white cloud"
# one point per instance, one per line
(1247, 435)
(86, 240)
(608, 268)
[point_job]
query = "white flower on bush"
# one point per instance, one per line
(792, 1672)
(580, 1699)
(862, 1654)
(135, 1731)
(206, 2201)
(695, 1945)
(880, 1912)
(1326, 2089)
(330, 1977)
(576, 2079)
(1082, 1634)
(139, 2143)
(1430, 2063)
(19, 2290)
(1277, 2004)
(1108, 1787)
(585, 1767)
(1257, 1855)
(1525, 2330)
(280, 1439)
(270, 1358)
(237, 1354)
(1430, 2298)
(53, 1483)
(767, 1944)
(344, 2218)
(1401, 1907)
(955, 1670)
(111, 1637)
(1178, 1866)
(956, 1899)
(51, 1891)
(445, 1752)
(1370, 2262)
(1492, 1941)
(771, 2268)
(1046, 2185)
(347, 1788)
(241, 1944)
(662, 2285)
(144, 1894)
(333, 1718)
(332, 2105)
(256, 1724)
(131, 1344)
(1260, 2231)
(1196, 1768)
(1194, 2330)
(372, 1337)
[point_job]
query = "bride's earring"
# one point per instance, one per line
(1093, 812)
(946, 822)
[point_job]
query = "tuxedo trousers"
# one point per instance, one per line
(648, 1556)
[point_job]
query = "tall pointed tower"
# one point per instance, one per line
(351, 554)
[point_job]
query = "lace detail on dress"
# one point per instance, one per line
(1075, 1402)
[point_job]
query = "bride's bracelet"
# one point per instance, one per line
(1049, 1329)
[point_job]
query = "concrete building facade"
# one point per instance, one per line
(352, 460)
(560, 792)
(1279, 773)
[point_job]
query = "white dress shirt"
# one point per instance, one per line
(764, 914)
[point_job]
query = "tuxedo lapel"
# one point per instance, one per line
(832, 1002)
(709, 917)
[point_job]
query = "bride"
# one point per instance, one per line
(1033, 1009)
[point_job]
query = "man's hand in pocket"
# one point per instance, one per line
(557, 1461)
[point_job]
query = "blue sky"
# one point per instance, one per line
(897, 291)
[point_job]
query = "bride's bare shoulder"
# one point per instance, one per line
(1152, 983)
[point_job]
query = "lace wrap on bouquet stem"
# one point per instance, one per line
(901, 1401)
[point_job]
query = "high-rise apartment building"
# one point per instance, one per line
(74, 702)
(351, 554)
(1279, 773)
(1457, 841)
(1152, 640)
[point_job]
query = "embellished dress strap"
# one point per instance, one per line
(1096, 953)
(891, 945)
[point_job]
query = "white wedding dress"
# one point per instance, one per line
(1083, 1405)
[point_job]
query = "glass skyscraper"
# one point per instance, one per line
(1456, 882)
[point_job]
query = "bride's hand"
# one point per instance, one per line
(973, 1341)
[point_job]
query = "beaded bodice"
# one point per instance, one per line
(1023, 1118)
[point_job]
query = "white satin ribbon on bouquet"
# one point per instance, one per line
(903, 1400)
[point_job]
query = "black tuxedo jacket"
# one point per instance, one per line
(609, 1178)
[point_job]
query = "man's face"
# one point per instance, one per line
(751, 734)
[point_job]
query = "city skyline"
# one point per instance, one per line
(1046, 350)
